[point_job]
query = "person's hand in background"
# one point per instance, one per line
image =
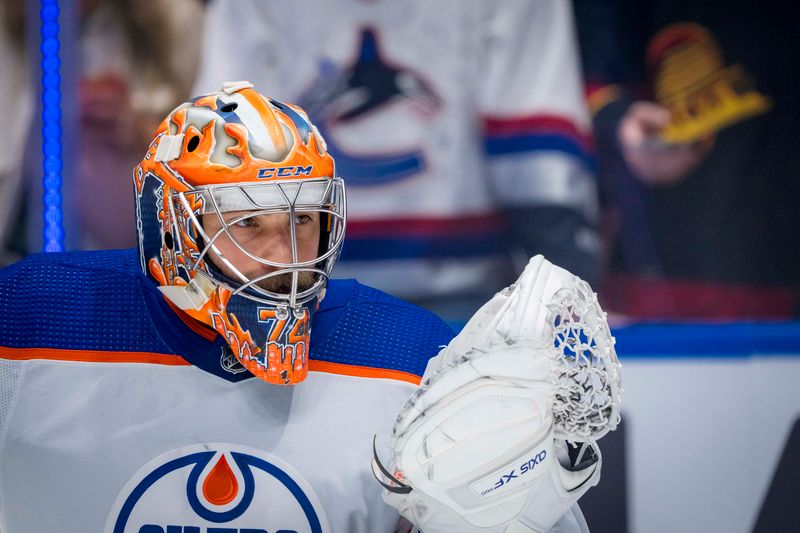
(651, 160)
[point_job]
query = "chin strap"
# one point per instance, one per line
(191, 296)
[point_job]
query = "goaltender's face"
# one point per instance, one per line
(268, 237)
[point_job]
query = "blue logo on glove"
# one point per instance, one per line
(524, 468)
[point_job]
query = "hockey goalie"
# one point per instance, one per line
(216, 379)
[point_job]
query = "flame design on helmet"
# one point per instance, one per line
(220, 152)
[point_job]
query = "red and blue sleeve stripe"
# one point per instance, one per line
(532, 133)
(451, 237)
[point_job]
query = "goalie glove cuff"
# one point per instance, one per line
(532, 505)
(566, 485)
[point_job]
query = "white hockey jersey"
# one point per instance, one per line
(117, 416)
(440, 114)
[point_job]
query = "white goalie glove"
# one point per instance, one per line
(501, 434)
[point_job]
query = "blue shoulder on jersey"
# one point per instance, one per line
(78, 301)
(359, 325)
(101, 301)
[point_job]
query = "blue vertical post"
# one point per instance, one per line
(52, 160)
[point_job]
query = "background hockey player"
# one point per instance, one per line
(461, 128)
(146, 390)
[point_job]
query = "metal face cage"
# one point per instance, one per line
(325, 196)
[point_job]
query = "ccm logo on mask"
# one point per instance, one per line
(284, 172)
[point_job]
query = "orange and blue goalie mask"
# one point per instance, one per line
(244, 244)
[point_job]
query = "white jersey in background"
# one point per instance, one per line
(441, 115)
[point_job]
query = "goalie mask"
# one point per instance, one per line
(241, 218)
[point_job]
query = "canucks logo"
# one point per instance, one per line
(217, 488)
(352, 103)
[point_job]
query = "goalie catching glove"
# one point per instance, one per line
(501, 434)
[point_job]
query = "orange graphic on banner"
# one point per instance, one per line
(692, 81)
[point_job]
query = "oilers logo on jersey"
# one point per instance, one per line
(215, 488)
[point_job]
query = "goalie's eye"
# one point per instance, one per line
(300, 219)
(247, 223)
(303, 218)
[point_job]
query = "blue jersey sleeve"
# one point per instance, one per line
(76, 301)
(359, 325)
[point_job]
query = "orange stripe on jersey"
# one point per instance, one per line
(268, 118)
(363, 371)
(90, 356)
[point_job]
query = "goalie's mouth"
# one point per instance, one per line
(388, 480)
